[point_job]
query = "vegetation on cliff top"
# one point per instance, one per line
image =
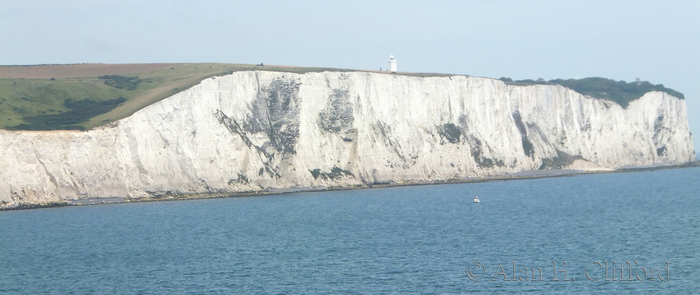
(84, 96)
(620, 92)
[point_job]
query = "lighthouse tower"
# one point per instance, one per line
(392, 64)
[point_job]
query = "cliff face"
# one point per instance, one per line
(254, 131)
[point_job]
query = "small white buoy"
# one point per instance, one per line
(476, 199)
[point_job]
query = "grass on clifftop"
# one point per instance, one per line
(84, 96)
(620, 92)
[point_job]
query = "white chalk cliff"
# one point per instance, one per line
(257, 131)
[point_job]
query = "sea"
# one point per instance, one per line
(613, 233)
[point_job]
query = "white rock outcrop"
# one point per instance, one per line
(255, 131)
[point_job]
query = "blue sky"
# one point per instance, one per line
(658, 41)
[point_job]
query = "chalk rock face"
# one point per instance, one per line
(257, 131)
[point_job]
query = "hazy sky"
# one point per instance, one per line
(658, 41)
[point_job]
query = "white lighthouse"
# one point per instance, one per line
(392, 64)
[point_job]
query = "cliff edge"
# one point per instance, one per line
(256, 131)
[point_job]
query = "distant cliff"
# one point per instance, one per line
(255, 131)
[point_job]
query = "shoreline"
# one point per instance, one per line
(523, 175)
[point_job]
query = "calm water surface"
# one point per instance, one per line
(403, 240)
